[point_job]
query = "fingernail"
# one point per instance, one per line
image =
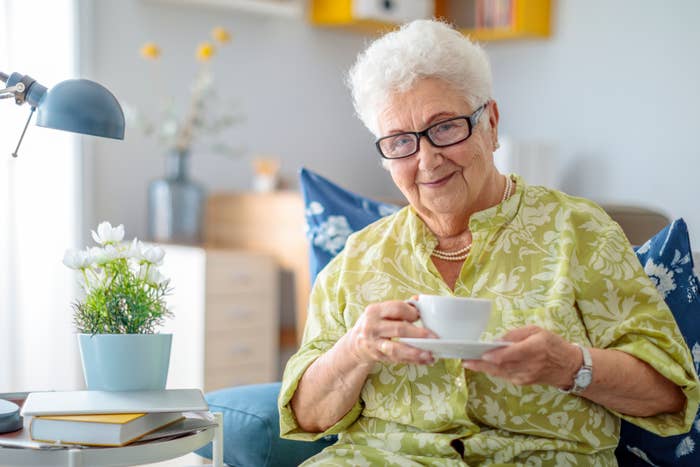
(468, 365)
(425, 356)
(487, 358)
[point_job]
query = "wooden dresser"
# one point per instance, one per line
(271, 223)
(226, 317)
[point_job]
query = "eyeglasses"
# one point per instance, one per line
(441, 134)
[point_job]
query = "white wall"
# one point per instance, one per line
(286, 77)
(617, 91)
(614, 90)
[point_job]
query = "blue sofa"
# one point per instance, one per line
(251, 429)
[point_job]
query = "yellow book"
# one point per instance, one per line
(99, 429)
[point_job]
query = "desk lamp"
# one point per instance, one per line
(76, 105)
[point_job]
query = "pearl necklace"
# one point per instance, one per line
(462, 253)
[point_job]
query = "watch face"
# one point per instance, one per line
(583, 378)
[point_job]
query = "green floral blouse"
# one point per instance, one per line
(543, 258)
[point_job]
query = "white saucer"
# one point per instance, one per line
(445, 348)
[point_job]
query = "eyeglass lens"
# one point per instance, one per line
(441, 134)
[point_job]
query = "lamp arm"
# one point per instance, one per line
(12, 91)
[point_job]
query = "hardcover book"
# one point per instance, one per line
(110, 402)
(99, 430)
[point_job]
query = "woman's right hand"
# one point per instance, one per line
(370, 339)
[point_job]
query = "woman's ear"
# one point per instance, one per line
(493, 122)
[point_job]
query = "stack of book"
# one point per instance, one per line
(103, 418)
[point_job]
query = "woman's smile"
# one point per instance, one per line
(438, 182)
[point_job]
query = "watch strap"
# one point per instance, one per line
(584, 376)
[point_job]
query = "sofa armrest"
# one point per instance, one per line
(251, 428)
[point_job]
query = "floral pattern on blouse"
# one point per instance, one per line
(543, 258)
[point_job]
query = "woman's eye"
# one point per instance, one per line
(443, 127)
(401, 141)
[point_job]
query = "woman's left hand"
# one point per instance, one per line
(537, 356)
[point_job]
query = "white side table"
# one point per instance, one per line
(146, 453)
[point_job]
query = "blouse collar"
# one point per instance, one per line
(422, 238)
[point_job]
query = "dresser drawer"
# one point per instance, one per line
(228, 313)
(239, 375)
(254, 344)
(236, 272)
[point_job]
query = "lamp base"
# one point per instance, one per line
(10, 419)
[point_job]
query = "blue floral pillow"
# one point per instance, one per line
(332, 214)
(667, 260)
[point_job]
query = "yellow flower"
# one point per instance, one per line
(150, 51)
(221, 35)
(205, 51)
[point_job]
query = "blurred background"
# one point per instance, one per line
(605, 105)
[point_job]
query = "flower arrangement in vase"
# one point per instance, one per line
(175, 202)
(123, 304)
(199, 123)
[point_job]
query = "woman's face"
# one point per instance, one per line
(450, 181)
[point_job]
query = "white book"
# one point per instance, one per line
(98, 430)
(110, 402)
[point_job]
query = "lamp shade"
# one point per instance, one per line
(81, 106)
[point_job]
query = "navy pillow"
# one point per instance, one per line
(332, 214)
(667, 260)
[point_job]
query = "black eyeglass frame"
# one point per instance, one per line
(472, 121)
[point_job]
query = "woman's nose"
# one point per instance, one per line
(429, 156)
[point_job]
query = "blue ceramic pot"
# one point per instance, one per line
(125, 362)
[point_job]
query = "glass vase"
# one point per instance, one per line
(175, 203)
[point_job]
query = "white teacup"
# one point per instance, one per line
(454, 318)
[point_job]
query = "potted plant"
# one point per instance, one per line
(123, 304)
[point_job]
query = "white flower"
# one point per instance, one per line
(644, 248)
(134, 250)
(101, 256)
(315, 208)
(152, 276)
(153, 255)
(685, 447)
(97, 255)
(332, 235)
(107, 235)
(661, 277)
(76, 259)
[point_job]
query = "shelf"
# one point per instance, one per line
(287, 8)
(370, 16)
(503, 19)
(482, 20)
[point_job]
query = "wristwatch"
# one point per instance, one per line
(584, 375)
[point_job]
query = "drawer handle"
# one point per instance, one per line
(239, 312)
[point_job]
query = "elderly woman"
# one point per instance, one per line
(593, 342)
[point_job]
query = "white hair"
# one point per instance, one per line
(419, 49)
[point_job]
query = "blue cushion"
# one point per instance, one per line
(251, 428)
(332, 214)
(667, 259)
